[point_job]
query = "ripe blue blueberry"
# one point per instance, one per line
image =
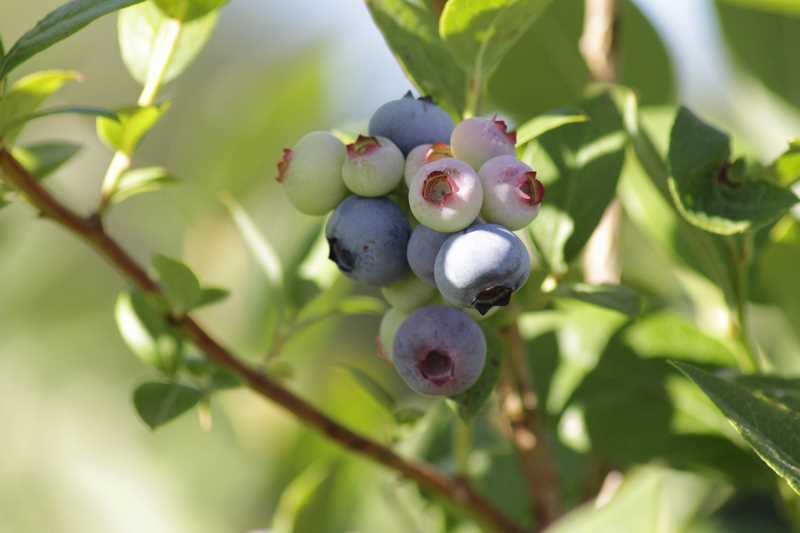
(481, 267)
(445, 195)
(373, 166)
(439, 350)
(310, 173)
(410, 121)
(422, 154)
(423, 246)
(476, 140)
(409, 292)
(511, 193)
(368, 239)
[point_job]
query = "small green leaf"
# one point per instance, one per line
(297, 495)
(147, 333)
(771, 428)
(26, 95)
(469, 403)
(188, 10)
(138, 29)
(42, 159)
(125, 133)
(179, 283)
(480, 34)
(377, 391)
(411, 31)
(158, 403)
(710, 191)
(540, 125)
(223, 379)
(264, 254)
(780, 389)
(141, 180)
(785, 170)
(20, 121)
(607, 295)
(56, 26)
(211, 295)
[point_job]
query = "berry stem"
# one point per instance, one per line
(750, 357)
(90, 229)
(525, 429)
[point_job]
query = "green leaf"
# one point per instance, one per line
(785, 170)
(579, 165)
(470, 402)
(480, 34)
(56, 26)
(411, 31)
(188, 10)
(769, 427)
(377, 391)
(20, 121)
(147, 333)
(125, 133)
(551, 120)
(607, 295)
(138, 29)
(141, 180)
(265, 255)
(158, 403)
(211, 296)
(776, 388)
(709, 191)
(545, 69)
(180, 285)
(26, 95)
(297, 496)
(42, 159)
(753, 31)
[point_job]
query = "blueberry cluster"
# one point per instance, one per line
(463, 191)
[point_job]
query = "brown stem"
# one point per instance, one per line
(519, 403)
(598, 43)
(91, 230)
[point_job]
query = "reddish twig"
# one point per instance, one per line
(91, 230)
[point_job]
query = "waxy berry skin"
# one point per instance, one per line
(410, 121)
(310, 173)
(481, 267)
(373, 166)
(477, 140)
(368, 238)
(511, 193)
(446, 195)
(439, 351)
(422, 154)
(423, 246)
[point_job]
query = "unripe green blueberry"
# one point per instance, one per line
(511, 193)
(422, 154)
(408, 293)
(373, 166)
(476, 140)
(446, 195)
(310, 173)
(387, 331)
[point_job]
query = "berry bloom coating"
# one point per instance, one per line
(422, 154)
(310, 173)
(409, 122)
(445, 195)
(408, 293)
(511, 193)
(373, 167)
(478, 139)
(423, 246)
(439, 350)
(390, 323)
(481, 267)
(368, 238)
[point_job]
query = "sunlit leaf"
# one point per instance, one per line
(541, 124)
(141, 180)
(188, 10)
(180, 284)
(147, 333)
(138, 29)
(133, 123)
